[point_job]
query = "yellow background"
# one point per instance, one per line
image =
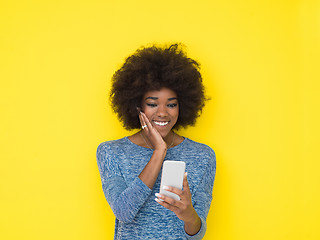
(260, 63)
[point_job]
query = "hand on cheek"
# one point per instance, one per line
(151, 133)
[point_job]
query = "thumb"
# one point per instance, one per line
(185, 182)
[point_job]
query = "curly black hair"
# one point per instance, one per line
(153, 68)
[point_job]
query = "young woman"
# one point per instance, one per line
(157, 90)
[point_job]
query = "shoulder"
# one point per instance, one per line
(108, 154)
(109, 148)
(111, 145)
(201, 149)
(200, 164)
(197, 155)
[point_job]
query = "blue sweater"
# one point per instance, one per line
(138, 215)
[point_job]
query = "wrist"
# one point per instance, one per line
(192, 226)
(193, 219)
(160, 153)
(161, 148)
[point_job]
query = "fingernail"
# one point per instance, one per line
(158, 195)
(157, 200)
(186, 174)
(165, 187)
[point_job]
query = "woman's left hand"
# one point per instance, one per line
(182, 208)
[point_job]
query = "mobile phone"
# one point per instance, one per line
(172, 176)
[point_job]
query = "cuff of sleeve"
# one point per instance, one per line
(200, 234)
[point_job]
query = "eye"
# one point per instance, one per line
(172, 105)
(151, 104)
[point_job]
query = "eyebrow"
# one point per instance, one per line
(156, 98)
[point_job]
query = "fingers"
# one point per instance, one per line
(179, 192)
(167, 200)
(138, 109)
(183, 194)
(149, 129)
(185, 183)
(146, 121)
(174, 190)
(143, 122)
(167, 205)
(183, 208)
(152, 133)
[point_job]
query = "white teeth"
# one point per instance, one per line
(161, 123)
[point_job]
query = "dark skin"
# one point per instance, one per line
(159, 113)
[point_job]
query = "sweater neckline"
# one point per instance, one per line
(175, 147)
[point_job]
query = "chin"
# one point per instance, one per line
(164, 134)
(163, 131)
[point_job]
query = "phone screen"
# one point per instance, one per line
(172, 175)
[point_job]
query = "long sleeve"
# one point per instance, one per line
(124, 199)
(203, 195)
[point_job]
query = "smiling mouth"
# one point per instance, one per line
(160, 123)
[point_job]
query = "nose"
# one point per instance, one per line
(162, 111)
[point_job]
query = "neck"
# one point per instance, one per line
(169, 139)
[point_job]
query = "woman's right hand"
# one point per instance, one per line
(152, 133)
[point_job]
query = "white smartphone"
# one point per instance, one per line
(172, 176)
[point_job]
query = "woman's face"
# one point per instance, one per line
(162, 109)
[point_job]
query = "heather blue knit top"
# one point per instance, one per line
(138, 215)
